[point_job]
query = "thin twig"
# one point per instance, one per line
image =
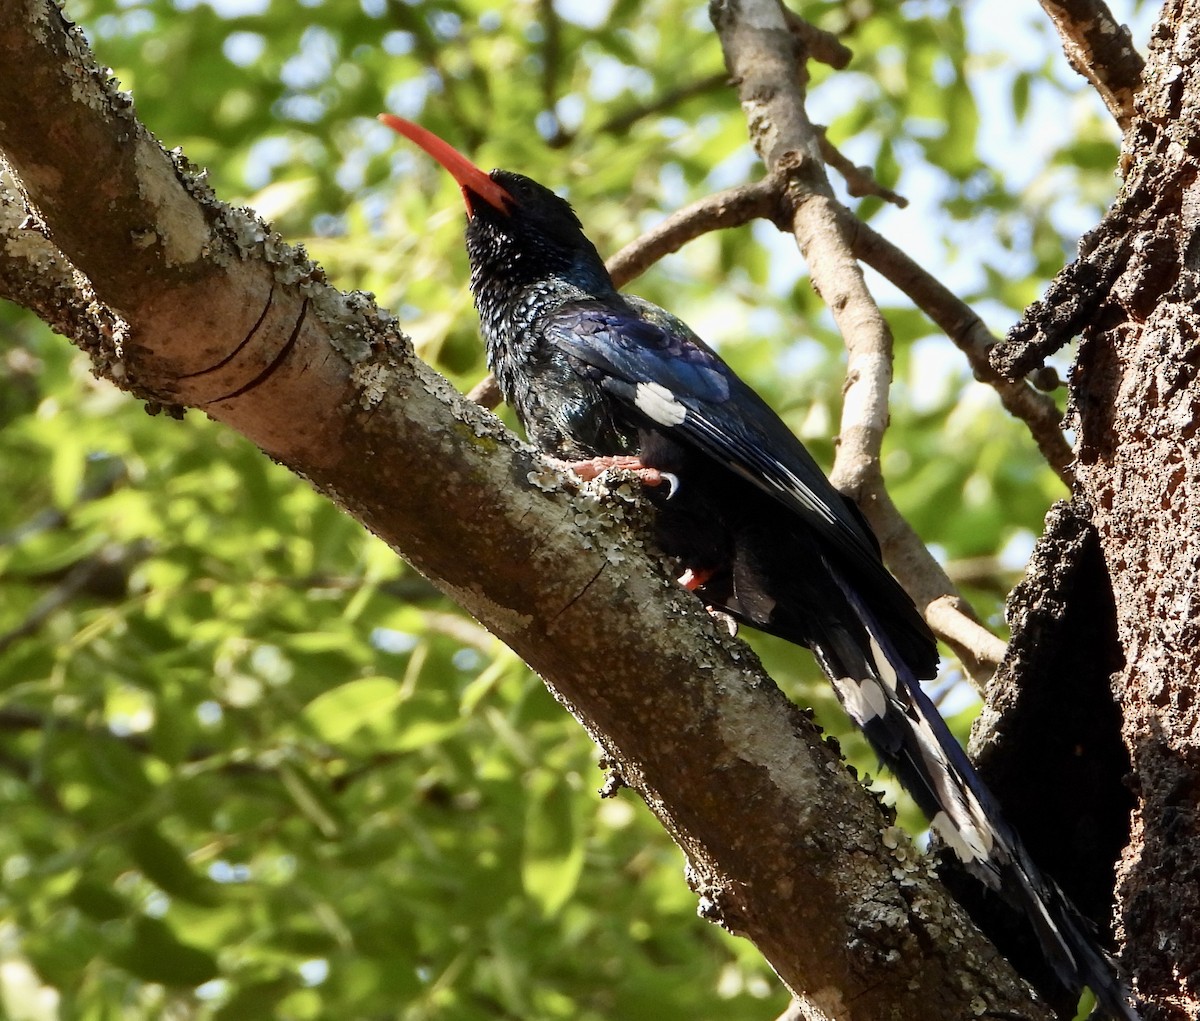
(621, 122)
(724, 209)
(860, 181)
(820, 45)
(486, 393)
(1101, 49)
(551, 62)
(954, 621)
(104, 572)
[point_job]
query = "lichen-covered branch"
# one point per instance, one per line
(37, 276)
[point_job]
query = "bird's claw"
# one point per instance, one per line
(723, 618)
(672, 481)
(594, 467)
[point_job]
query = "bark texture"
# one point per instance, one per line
(1135, 400)
(1137, 397)
(1049, 739)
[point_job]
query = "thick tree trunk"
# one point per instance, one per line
(1136, 392)
(1116, 598)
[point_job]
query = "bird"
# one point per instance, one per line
(602, 380)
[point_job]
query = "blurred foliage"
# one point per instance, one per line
(250, 765)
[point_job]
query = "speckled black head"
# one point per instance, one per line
(519, 233)
(535, 237)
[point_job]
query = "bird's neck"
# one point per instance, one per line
(519, 288)
(509, 313)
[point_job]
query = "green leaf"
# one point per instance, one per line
(256, 1000)
(553, 851)
(162, 863)
(98, 901)
(367, 703)
(155, 954)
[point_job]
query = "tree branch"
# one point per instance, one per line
(967, 331)
(724, 209)
(1072, 301)
(105, 570)
(820, 45)
(551, 66)
(37, 276)
(761, 56)
(1101, 49)
(860, 181)
(784, 846)
(621, 122)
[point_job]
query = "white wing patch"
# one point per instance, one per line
(656, 402)
(864, 700)
(969, 831)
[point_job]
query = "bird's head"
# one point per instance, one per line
(518, 231)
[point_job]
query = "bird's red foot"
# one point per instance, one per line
(692, 579)
(594, 467)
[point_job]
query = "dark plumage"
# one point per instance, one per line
(762, 534)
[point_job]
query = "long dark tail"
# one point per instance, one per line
(883, 696)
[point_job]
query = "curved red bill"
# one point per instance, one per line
(470, 178)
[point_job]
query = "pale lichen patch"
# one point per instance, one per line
(502, 620)
(371, 380)
(179, 224)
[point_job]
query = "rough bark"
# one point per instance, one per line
(1136, 393)
(189, 303)
(1101, 49)
(1048, 741)
(1135, 399)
